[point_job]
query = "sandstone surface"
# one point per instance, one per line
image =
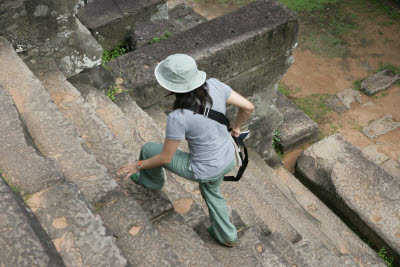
(378, 82)
(297, 128)
(380, 127)
(337, 167)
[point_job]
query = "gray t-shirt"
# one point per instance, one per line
(210, 145)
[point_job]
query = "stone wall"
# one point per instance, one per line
(49, 28)
(250, 49)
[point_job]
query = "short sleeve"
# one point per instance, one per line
(175, 128)
(225, 89)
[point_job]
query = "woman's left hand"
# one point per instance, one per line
(128, 169)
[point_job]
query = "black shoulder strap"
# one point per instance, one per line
(221, 118)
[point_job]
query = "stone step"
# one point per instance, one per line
(236, 256)
(78, 234)
(20, 162)
(137, 236)
(24, 241)
(100, 140)
(311, 218)
(264, 251)
(180, 18)
(183, 203)
(115, 125)
(191, 250)
(255, 210)
(297, 129)
(111, 21)
(53, 134)
(346, 180)
(287, 249)
(109, 150)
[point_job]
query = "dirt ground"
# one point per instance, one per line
(374, 41)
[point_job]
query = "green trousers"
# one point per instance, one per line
(223, 229)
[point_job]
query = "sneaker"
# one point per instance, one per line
(227, 243)
(135, 178)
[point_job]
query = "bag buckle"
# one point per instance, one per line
(206, 111)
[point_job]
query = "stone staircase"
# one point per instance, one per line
(70, 139)
(91, 218)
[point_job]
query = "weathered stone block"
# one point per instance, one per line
(111, 21)
(236, 256)
(297, 128)
(191, 250)
(136, 235)
(53, 134)
(79, 236)
(336, 166)
(348, 96)
(335, 104)
(371, 153)
(24, 241)
(380, 127)
(378, 82)
(50, 29)
(20, 161)
(391, 167)
(252, 238)
(100, 140)
(182, 17)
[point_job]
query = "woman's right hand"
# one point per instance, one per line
(235, 132)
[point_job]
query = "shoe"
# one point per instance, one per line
(227, 243)
(135, 178)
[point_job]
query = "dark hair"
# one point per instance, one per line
(184, 100)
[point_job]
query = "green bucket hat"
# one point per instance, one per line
(178, 73)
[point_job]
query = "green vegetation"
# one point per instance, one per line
(162, 37)
(283, 90)
(112, 54)
(313, 105)
(390, 67)
(357, 85)
(275, 143)
(307, 5)
(16, 189)
(388, 260)
(383, 8)
(110, 93)
(327, 28)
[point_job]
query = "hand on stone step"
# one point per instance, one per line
(128, 169)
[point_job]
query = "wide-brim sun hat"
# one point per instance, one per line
(178, 73)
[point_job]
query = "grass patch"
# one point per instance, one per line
(327, 28)
(283, 90)
(357, 85)
(113, 54)
(156, 39)
(391, 67)
(313, 105)
(382, 7)
(307, 5)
